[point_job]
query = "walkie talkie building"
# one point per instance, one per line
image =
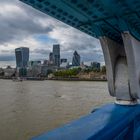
(22, 57)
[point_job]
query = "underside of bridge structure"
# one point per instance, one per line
(116, 23)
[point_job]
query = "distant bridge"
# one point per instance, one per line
(116, 23)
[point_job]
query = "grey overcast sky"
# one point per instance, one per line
(21, 25)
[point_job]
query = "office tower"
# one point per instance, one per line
(46, 62)
(63, 60)
(95, 66)
(22, 57)
(33, 63)
(51, 57)
(56, 55)
(76, 59)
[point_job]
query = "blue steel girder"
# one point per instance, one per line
(95, 17)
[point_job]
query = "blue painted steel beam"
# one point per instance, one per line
(110, 122)
(110, 17)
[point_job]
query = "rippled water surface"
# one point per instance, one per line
(29, 108)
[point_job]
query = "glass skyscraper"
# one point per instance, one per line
(76, 59)
(22, 57)
(56, 55)
(51, 57)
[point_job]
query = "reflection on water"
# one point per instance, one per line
(29, 108)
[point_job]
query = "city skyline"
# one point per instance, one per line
(22, 56)
(39, 32)
(54, 56)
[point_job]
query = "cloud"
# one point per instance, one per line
(41, 51)
(22, 25)
(16, 23)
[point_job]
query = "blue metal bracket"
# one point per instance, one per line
(98, 30)
(110, 122)
(122, 24)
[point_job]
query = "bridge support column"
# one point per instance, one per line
(123, 68)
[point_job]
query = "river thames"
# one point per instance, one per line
(30, 108)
